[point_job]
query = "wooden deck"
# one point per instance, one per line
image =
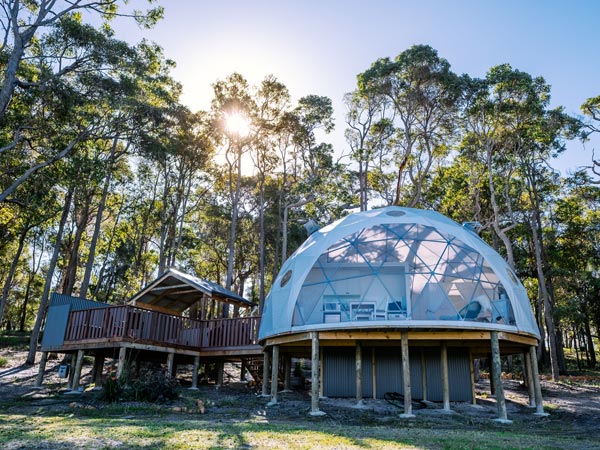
(116, 325)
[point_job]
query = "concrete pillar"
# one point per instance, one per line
(121, 363)
(274, 375)
(535, 379)
(359, 374)
(41, 370)
(195, 373)
(529, 379)
(315, 377)
(498, 384)
(265, 377)
(406, 377)
(445, 380)
(77, 371)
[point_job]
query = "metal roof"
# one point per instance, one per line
(177, 291)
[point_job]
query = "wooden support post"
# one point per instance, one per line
(535, 379)
(321, 373)
(423, 375)
(491, 374)
(121, 363)
(99, 368)
(359, 374)
(287, 377)
(71, 374)
(77, 371)
(315, 377)
(406, 377)
(274, 376)
(41, 370)
(529, 377)
(498, 385)
(220, 373)
(472, 373)
(195, 373)
(445, 381)
(242, 370)
(265, 377)
(170, 363)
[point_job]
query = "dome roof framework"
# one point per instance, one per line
(396, 267)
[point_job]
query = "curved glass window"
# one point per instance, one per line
(394, 272)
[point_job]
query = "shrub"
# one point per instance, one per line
(113, 388)
(3, 361)
(153, 387)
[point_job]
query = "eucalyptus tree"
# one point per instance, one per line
(424, 94)
(540, 135)
(591, 109)
(491, 123)
(59, 73)
(98, 105)
(233, 108)
(575, 256)
(273, 104)
(27, 23)
(369, 134)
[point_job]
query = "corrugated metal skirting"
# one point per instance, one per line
(339, 372)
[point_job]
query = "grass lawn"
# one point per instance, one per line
(98, 429)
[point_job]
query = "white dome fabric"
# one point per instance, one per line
(400, 268)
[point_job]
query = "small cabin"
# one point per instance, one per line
(175, 319)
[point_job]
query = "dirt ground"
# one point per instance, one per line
(573, 404)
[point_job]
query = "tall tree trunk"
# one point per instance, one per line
(261, 243)
(35, 333)
(23, 318)
(590, 343)
(548, 310)
(99, 214)
(11, 272)
(80, 226)
(234, 194)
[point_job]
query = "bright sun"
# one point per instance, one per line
(237, 123)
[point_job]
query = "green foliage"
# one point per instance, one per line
(153, 387)
(3, 361)
(113, 387)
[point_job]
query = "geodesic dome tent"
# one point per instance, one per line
(396, 267)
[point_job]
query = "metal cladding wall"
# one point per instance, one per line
(76, 303)
(58, 315)
(339, 374)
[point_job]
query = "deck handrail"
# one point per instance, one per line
(128, 322)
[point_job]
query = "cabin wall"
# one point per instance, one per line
(58, 316)
(339, 373)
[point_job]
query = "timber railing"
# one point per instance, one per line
(130, 323)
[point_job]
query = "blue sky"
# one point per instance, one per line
(318, 47)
